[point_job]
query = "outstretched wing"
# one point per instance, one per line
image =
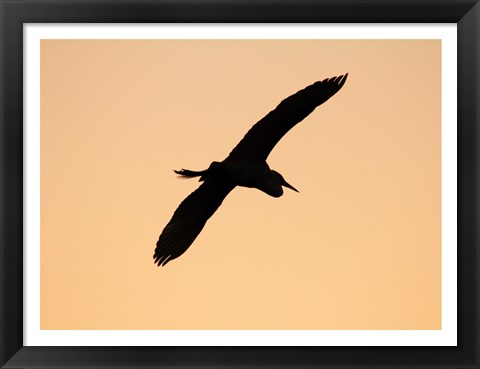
(264, 135)
(189, 219)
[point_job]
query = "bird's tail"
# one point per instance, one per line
(190, 173)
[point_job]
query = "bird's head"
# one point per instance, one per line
(282, 180)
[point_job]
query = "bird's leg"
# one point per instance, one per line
(190, 173)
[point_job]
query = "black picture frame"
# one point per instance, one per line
(15, 13)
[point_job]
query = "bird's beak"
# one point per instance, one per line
(288, 185)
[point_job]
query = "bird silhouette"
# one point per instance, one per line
(245, 166)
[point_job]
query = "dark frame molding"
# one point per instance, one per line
(14, 13)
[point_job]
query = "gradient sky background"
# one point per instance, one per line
(358, 248)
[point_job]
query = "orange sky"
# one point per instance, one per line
(358, 247)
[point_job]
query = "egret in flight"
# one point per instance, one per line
(245, 166)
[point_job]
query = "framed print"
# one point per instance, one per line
(328, 211)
